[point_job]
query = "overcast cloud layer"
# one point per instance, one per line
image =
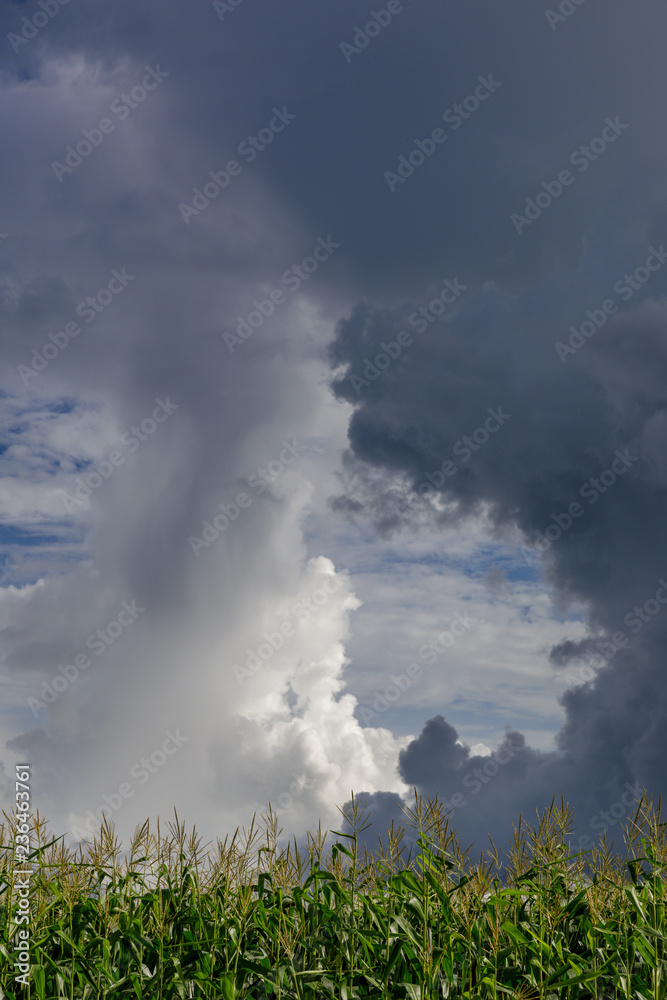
(334, 409)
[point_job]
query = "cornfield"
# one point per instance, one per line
(174, 918)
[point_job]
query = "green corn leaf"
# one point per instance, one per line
(227, 988)
(514, 933)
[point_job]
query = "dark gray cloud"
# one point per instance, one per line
(470, 788)
(594, 405)
(582, 432)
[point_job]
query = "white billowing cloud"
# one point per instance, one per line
(287, 734)
(248, 736)
(317, 739)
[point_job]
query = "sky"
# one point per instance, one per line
(333, 411)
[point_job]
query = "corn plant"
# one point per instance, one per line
(171, 917)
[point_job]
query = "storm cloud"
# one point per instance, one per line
(424, 249)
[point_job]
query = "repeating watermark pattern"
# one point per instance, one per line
(222, 7)
(607, 818)
(88, 310)
(642, 614)
(451, 290)
(624, 288)
(300, 785)
(477, 777)
(592, 490)
(6, 572)
(454, 116)
(301, 610)
(141, 771)
(434, 648)
(131, 440)
(565, 10)
(250, 148)
(582, 675)
(635, 620)
(463, 449)
(388, 352)
(32, 26)
(99, 642)
(122, 107)
(22, 874)
(258, 481)
(379, 20)
(420, 320)
(292, 279)
(429, 652)
(582, 157)
(384, 700)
